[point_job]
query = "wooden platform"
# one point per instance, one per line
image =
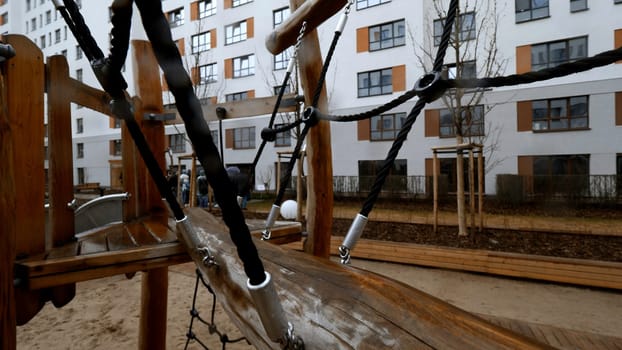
(122, 249)
(558, 337)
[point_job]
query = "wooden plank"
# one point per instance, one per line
(335, 306)
(246, 108)
(36, 268)
(319, 154)
(60, 164)
(89, 97)
(93, 244)
(25, 78)
(314, 12)
(8, 227)
(128, 267)
(162, 233)
(119, 240)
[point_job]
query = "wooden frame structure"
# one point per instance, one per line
(471, 148)
(347, 307)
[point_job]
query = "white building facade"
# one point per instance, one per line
(564, 126)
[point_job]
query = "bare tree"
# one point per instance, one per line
(473, 48)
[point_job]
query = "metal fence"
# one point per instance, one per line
(577, 187)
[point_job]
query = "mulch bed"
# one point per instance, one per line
(578, 246)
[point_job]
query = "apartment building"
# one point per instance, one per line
(564, 126)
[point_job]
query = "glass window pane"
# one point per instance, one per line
(540, 109)
(577, 48)
(558, 108)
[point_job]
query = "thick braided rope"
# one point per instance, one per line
(410, 119)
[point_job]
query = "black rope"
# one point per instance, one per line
(308, 123)
(211, 324)
(582, 65)
(169, 59)
(410, 119)
(270, 124)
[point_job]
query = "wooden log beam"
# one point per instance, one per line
(314, 12)
(246, 108)
(154, 290)
(333, 306)
(8, 227)
(60, 169)
(319, 153)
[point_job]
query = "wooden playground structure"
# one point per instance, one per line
(331, 305)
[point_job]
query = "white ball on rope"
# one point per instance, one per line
(289, 209)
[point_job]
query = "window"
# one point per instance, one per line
(466, 25)
(528, 10)
(277, 89)
(33, 24)
(283, 139)
(363, 4)
(278, 16)
(48, 17)
(468, 70)
(64, 53)
(79, 74)
(447, 167)
(201, 42)
(397, 181)
(385, 127)
(4, 18)
(81, 176)
(560, 113)
(235, 32)
(80, 150)
(373, 83)
(28, 4)
(79, 125)
(207, 8)
(116, 148)
(552, 54)
(79, 52)
(559, 173)
(578, 5)
(208, 73)
(236, 3)
(281, 60)
(57, 36)
(244, 138)
(471, 122)
(238, 96)
(42, 41)
(177, 143)
(386, 35)
(243, 66)
(176, 17)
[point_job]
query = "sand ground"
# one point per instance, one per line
(104, 314)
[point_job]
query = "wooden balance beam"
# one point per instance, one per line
(333, 306)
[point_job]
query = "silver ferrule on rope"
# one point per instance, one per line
(271, 312)
(58, 4)
(344, 18)
(274, 213)
(354, 233)
(193, 241)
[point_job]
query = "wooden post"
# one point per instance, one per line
(60, 170)
(472, 188)
(480, 187)
(320, 177)
(435, 189)
(152, 330)
(25, 79)
(8, 227)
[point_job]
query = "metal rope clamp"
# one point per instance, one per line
(271, 313)
(430, 87)
(190, 236)
(354, 233)
(274, 213)
(309, 116)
